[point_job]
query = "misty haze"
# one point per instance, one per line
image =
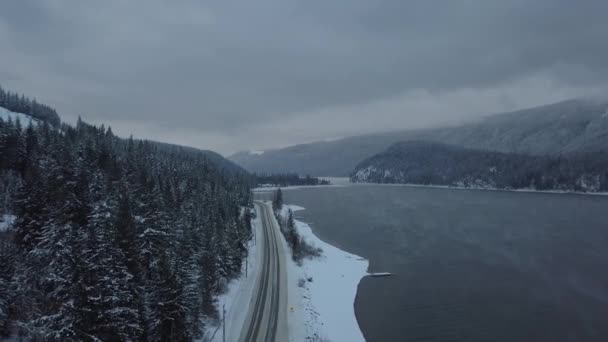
(303, 171)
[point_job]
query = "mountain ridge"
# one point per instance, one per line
(432, 163)
(571, 126)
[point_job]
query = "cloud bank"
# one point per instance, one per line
(242, 75)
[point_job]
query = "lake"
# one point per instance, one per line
(470, 265)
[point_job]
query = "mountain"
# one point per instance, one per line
(335, 158)
(565, 127)
(572, 126)
(430, 163)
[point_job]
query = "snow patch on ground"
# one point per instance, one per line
(5, 114)
(270, 188)
(324, 306)
(364, 174)
(6, 222)
(238, 295)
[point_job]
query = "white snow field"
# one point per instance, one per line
(238, 295)
(6, 222)
(323, 308)
(25, 119)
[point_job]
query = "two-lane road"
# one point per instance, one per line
(267, 317)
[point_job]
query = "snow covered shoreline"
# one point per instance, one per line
(295, 187)
(524, 190)
(321, 292)
(340, 182)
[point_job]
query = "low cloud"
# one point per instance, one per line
(230, 76)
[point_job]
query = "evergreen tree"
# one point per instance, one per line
(277, 201)
(114, 240)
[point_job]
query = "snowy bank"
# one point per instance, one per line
(272, 188)
(321, 292)
(238, 295)
(454, 187)
(6, 114)
(6, 222)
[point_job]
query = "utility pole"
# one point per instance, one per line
(224, 319)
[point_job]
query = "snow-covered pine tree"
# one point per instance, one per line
(109, 287)
(114, 239)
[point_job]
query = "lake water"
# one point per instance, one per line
(470, 265)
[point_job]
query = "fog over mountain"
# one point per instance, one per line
(231, 76)
(562, 128)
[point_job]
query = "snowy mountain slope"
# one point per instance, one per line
(430, 163)
(5, 114)
(566, 127)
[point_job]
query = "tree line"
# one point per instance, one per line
(24, 105)
(114, 239)
(300, 248)
(419, 162)
(287, 179)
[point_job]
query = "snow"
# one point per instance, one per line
(337, 180)
(5, 114)
(380, 274)
(363, 174)
(323, 307)
(256, 153)
(269, 187)
(238, 295)
(468, 188)
(6, 222)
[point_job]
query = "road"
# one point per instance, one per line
(266, 320)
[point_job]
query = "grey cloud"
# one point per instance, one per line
(221, 68)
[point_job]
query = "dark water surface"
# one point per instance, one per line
(470, 265)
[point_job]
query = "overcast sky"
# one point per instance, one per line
(232, 75)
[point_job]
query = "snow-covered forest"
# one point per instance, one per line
(21, 104)
(429, 163)
(113, 239)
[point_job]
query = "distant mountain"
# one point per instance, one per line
(335, 158)
(565, 127)
(429, 163)
(561, 128)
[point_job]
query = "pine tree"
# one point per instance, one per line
(7, 268)
(110, 291)
(126, 235)
(114, 239)
(277, 202)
